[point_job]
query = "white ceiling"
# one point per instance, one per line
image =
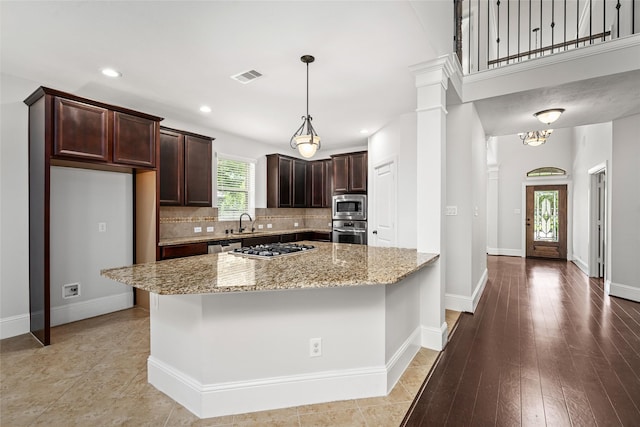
(177, 56)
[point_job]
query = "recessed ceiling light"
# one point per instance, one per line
(205, 109)
(110, 72)
(364, 131)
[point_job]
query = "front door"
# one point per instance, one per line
(547, 221)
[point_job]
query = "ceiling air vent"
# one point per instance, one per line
(247, 76)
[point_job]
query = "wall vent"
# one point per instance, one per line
(247, 76)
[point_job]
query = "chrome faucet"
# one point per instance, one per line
(240, 229)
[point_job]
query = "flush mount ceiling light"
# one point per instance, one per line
(110, 72)
(536, 137)
(549, 116)
(205, 109)
(305, 139)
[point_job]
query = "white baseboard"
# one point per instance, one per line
(505, 252)
(402, 358)
(465, 303)
(214, 400)
(91, 308)
(435, 338)
(623, 291)
(14, 326)
(581, 265)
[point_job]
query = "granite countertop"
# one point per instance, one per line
(328, 265)
(235, 236)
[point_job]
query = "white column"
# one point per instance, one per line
(431, 82)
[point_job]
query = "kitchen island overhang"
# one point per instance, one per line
(241, 342)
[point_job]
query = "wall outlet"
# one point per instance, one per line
(516, 211)
(295, 224)
(329, 225)
(197, 229)
(260, 226)
(102, 227)
(209, 229)
(70, 290)
(269, 226)
(315, 347)
(451, 210)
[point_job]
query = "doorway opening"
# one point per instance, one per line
(598, 222)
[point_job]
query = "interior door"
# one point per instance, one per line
(547, 221)
(384, 205)
(602, 211)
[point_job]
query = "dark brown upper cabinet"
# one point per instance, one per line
(81, 130)
(286, 182)
(350, 173)
(85, 130)
(320, 177)
(134, 140)
(185, 168)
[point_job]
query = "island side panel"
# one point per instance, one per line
(402, 326)
(221, 354)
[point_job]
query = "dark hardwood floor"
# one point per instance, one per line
(544, 347)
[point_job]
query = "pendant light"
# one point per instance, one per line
(305, 139)
(535, 138)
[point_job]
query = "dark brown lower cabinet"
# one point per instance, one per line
(178, 251)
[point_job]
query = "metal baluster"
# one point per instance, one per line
(590, 21)
(469, 37)
(478, 59)
(604, 18)
(498, 39)
(529, 57)
(577, 21)
(553, 23)
(618, 19)
(518, 30)
(565, 25)
(541, 51)
(508, 28)
(488, 30)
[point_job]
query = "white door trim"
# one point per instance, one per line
(594, 240)
(372, 238)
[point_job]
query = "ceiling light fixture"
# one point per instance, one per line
(536, 137)
(549, 116)
(305, 139)
(364, 131)
(110, 72)
(205, 109)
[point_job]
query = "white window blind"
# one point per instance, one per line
(235, 188)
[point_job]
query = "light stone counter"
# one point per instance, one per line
(329, 265)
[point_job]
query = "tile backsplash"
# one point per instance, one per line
(182, 221)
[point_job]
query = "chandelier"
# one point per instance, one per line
(536, 137)
(305, 139)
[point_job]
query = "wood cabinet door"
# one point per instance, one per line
(171, 168)
(285, 184)
(358, 172)
(317, 184)
(328, 183)
(179, 251)
(299, 183)
(81, 130)
(197, 171)
(341, 174)
(134, 140)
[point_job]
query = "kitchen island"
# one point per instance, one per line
(231, 334)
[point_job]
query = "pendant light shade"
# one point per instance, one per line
(535, 138)
(305, 139)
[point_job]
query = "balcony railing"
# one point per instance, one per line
(493, 33)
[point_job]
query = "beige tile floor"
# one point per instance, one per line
(94, 374)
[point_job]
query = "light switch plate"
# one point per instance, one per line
(102, 227)
(197, 229)
(269, 226)
(451, 210)
(209, 229)
(260, 226)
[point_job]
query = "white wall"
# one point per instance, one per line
(591, 147)
(625, 209)
(465, 232)
(14, 219)
(80, 199)
(398, 138)
(515, 160)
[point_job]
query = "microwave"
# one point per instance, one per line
(351, 207)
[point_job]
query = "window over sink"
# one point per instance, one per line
(235, 185)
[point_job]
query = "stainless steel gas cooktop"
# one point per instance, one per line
(272, 250)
